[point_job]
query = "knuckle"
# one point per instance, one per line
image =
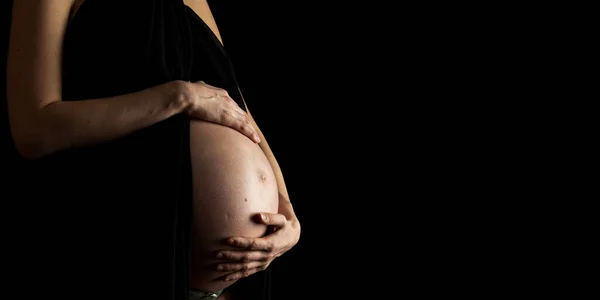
(223, 115)
(270, 247)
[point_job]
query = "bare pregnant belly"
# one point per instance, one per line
(232, 181)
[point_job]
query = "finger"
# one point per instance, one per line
(217, 90)
(243, 256)
(261, 244)
(246, 128)
(217, 95)
(230, 118)
(232, 105)
(239, 109)
(278, 220)
(245, 273)
(234, 267)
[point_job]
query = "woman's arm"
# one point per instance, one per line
(40, 122)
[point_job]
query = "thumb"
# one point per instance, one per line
(271, 219)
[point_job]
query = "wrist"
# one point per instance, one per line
(178, 95)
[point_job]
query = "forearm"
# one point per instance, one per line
(70, 124)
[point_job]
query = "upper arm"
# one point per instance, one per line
(34, 58)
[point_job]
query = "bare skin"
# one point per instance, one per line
(42, 124)
(232, 181)
(255, 254)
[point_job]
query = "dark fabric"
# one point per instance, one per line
(112, 221)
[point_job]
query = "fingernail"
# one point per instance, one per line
(220, 255)
(263, 217)
(219, 268)
(257, 138)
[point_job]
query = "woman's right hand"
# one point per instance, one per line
(212, 104)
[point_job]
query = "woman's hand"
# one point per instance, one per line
(256, 254)
(208, 103)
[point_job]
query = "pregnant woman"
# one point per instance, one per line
(147, 173)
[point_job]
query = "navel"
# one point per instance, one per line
(262, 177)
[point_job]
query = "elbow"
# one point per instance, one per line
(30, 144)
(30, 148)
(31, 134)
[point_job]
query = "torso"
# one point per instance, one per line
(231, 177)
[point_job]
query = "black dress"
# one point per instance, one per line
(112, 221)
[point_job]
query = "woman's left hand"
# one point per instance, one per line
(256, 254)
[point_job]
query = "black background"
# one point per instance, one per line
(399, 132)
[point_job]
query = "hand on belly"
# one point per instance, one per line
(232, 181)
